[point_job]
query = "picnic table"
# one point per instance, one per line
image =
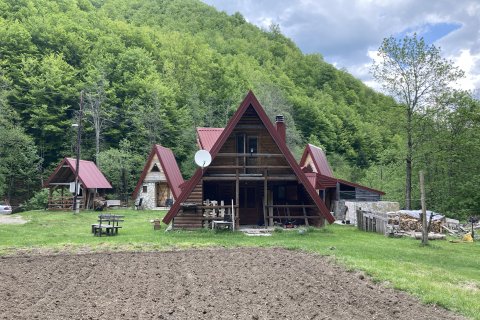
(108, 224)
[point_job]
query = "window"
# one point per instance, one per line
(252, 145)
(155, 168)
(144, 189)
(241, 143)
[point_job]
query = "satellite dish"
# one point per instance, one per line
(203, 158)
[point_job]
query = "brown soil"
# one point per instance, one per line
(197, 284)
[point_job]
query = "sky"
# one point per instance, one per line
(348, 33)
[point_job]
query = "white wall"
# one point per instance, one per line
(376, 206)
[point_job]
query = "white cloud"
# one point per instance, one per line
(345, 32)
(470, 64)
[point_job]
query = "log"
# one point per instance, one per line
(431, 236)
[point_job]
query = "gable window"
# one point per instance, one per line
(240, 143)
(155, 168)
(252, 145)
(145, 189)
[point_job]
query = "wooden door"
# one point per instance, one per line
(249, 205)
(161, 194)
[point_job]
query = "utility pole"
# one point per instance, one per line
(424, 211)
(76, 207)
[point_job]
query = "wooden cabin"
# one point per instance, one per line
(61, 185)
(252, 173)
(315, 165)
(159, 183)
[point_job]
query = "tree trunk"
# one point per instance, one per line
(97, 146)
(408, 169)
(424, 211)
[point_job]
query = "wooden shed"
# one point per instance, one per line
(253, 171)
(159, 183)
(91, 182)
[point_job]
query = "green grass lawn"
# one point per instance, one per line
(444, 273)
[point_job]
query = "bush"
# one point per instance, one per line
(38, 201)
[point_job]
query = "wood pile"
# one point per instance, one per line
(408, 223)
(401, 224)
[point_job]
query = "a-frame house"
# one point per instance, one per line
(252, 170)
(159, 183)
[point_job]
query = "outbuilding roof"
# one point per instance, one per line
(324, 177)
(88, 173)
(319, 159)
(169, 167)
(207, 137)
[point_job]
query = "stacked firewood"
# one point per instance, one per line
(408, 223)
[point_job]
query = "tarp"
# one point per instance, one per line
(416, 214)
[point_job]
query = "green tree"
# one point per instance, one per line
(18, 166)
(417, 76)
(121, 167)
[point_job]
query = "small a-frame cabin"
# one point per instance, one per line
(316, 167)
(253, 172)
(159, 183)
(92, 182)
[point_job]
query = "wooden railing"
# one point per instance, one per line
(63, 203)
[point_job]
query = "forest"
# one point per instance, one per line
(151, 71)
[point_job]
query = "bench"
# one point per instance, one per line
(108, 224)
(113, 203)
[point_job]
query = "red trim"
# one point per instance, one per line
(144, 173)
(250, 99)
(45, 184)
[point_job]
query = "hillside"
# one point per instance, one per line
(158, 69)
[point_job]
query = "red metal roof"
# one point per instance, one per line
(319, 159)
(207, 137)
(251, 100)
(324, 178)
(88, 173)
(169, 167)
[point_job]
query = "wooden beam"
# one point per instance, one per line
(281, 178)
(249, 167)
(294, 217)
(258, 155)
(233, 178)
(59, 183)
(270, 209)
(292, 206)
(237, 196)
(249, 126)
(265, 198)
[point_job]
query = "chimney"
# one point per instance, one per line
(281, 129)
